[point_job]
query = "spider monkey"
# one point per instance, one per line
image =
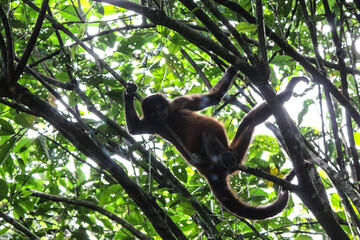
(206, 137)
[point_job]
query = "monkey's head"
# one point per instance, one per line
(156, 107)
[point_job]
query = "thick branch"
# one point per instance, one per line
(16, 106)
(334, 66)
(318, 77)
(344, 84)
(166, 228)
(9, 44)
(260, 24)
(312, 191)
(210, 25)
(338, 179)
(3, 51)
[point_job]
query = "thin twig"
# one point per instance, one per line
(31, 44)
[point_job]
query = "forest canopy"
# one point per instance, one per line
(69, 168)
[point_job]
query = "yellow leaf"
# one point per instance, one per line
(357, 138)
(273, 170)
(51, 99)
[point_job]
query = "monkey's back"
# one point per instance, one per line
(190, 126)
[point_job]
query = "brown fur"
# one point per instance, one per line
(206, 137)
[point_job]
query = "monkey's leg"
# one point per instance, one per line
(217, 153)
(212, 146)
(242, 140)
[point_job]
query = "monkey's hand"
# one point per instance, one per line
(130, 89)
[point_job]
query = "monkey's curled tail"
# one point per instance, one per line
(220, 187)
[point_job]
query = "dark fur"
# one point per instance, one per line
(206, 137)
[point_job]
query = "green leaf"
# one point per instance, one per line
(42, 150)
(109, 39)
(116, 95)
(99, 8)
(107, 223)
(60, 236)
(3, 189)
(178, 41)
(74, 99)
(80, 175)
(281, 60)
(25, 120)
(180, 172)
(128, 45)
(285, 7)
(18, 24)
(62, 76)
(164, 31)
(304, 110)
(303, 237)
(6, 128)
(81, 234)
(21, 165)
(46, 32)
(245, 27)
(19, 211)
(109, 194)
(335, 201)
(5, 149)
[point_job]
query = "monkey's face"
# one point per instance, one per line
(160, 113)
(156, 107)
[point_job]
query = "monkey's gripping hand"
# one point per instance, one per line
(130, 89)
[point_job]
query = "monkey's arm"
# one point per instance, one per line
(220, 89)
(198, 102)
(134, 124)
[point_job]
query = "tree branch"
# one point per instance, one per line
(281, 182)
(94, 207)
(9, 45)
(211, 26)
(31, 44)
(163, 224)
(158, 17)
(344, 84)
(18, 226)
(318, 76)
